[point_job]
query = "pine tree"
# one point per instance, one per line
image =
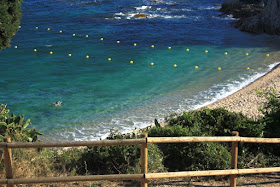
(10, 15)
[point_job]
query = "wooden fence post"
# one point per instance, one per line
(144, 161)
(8, 161)
(234, 156)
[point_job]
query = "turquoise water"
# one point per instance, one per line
(98, 94)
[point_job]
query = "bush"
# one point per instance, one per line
(271, 113)
(216, 122)
(190, 156)
(16, 127)
(205, 122)
(112, 159)
(10, 15)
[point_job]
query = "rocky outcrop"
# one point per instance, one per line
(255, 15)
(242, 8)
(140, 15)
(267, 21)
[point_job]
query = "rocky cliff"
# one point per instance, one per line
(256, 19)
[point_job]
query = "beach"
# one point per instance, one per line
(246, 100)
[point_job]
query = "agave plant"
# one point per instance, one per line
(16, 127)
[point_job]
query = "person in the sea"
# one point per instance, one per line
(134, 133)
(57, 103)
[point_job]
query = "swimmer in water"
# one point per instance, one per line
(57, 103)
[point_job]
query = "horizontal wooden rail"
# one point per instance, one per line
(74, 144)
(210, 173)
(259, 140)
(141, 176)
(194, 139)
(73, 178)
(140, 141)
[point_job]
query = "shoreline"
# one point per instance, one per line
(246, 100)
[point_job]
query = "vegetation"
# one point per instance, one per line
(10, 15)
(16, 127)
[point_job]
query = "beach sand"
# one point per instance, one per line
(246, 100)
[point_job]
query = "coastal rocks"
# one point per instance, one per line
(255, 16)
(140, 15)
(267, 21)
(241, 9)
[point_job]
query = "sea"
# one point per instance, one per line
(112, 69)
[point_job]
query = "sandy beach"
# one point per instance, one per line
(247, 100)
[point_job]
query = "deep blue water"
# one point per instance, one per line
(98, 94)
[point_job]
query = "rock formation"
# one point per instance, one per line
(240, 9)
(255, 20)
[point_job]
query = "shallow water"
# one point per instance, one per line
(98, 94)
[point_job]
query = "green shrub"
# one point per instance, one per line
(205, 122)
(10, 15)
(190, 156)
(16, 127)
(111, 159)
(271, 113)
(216, 122)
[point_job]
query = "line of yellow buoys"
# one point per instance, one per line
(135, 44)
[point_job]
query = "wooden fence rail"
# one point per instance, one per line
(144, 176)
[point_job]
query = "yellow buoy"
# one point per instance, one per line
(175, 65)
(109, 59)
(152, 64)
(60, 31)
(196, 67)
(219, 68)
(118, 42)
(51, 53)
(69, 55)
(15, 47)
(169, 48)
(86, 36)
(246, 54)
(152, 46)
(49, 29)
(87, 56)
(206, 51)
(36, 27)
(226, 53)
(187, 50)
(267, 55)
(74, 34)
(135, 44)
(247, 68)
(101, 39)
(19, 27)
(35, 50)
(131, 62)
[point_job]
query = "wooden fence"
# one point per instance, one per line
(144, 176)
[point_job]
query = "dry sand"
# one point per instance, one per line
(247, 100)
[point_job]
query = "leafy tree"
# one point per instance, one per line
(10, 15)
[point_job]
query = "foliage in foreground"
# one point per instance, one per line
(113, 159)
(10, 15)
(16, 127)
(216, 122)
